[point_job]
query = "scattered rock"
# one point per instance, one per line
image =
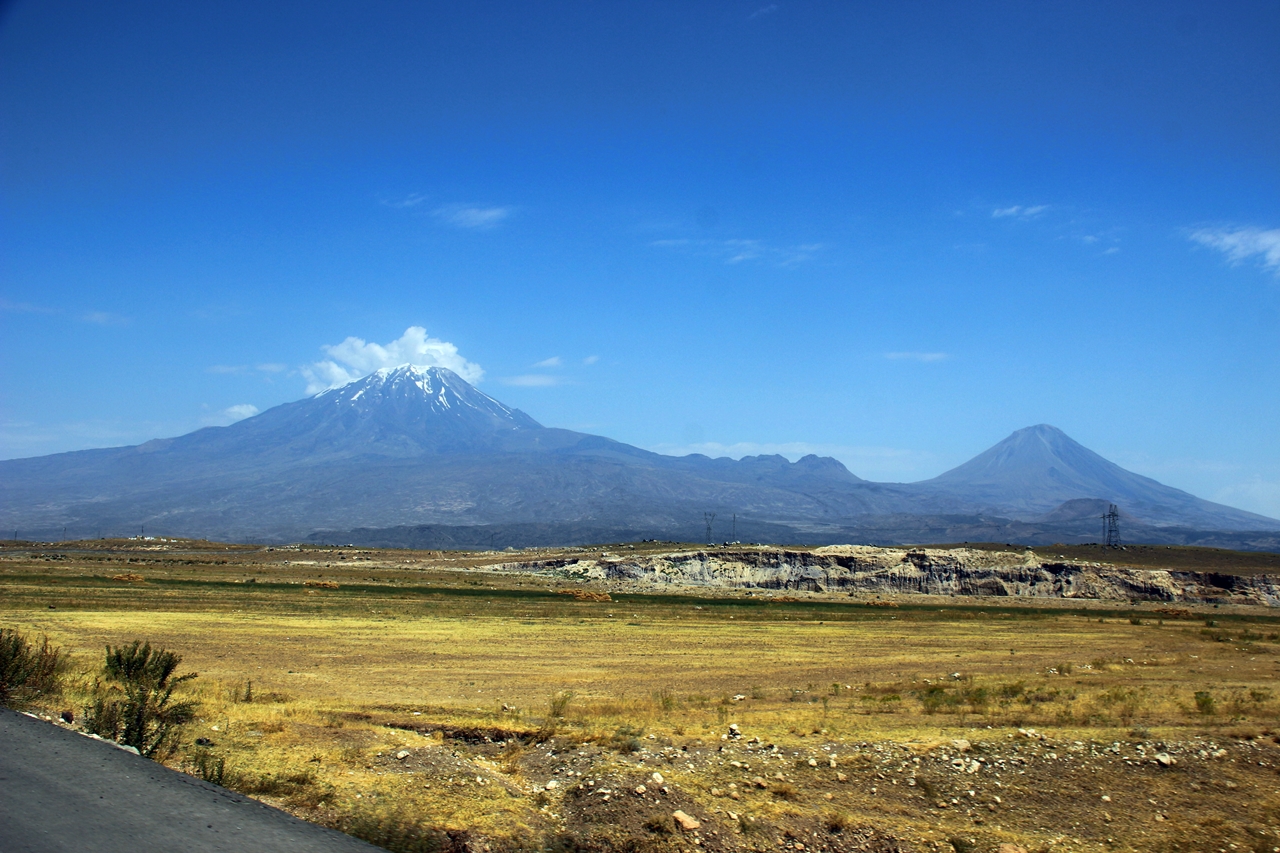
(686, 822)
(1010, 848)
(1164, 759)
(640, 789)
(552, 785)
(402, 755)
(657, 778)
(760, 782)
(962, 744)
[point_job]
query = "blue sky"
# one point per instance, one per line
(888, 232)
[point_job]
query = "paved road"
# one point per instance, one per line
(60, 791)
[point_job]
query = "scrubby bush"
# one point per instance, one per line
(936, 698)
(27, 671)
(1205, 703)
(134, 703)
(400, 832)
(209, 767)
(560, 703)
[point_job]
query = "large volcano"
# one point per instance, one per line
(421, 449)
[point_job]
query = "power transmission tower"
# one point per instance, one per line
(709, 517)
(1111, 528)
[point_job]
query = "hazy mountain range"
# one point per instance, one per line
(419, 457)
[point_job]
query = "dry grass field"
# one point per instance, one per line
(422, 702)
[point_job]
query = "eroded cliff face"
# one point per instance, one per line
(866, 569)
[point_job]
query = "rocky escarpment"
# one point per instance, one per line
(860, 569)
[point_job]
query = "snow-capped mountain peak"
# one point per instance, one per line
(429, 391)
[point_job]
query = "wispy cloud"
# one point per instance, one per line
(236, 369)
(764, 10)
(1019, 211)
(1256, 495)
(531, 380)
(554, 361)
(591, 359)
(241, 411)
(1242, 244)
(411, 200)
(24, 308)
(354, 358)
(738, 251)
(104, 318)
(473, 217)
(29, 438)
(917, 356)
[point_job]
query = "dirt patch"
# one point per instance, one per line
(634, 813)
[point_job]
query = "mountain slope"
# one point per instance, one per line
(411, 448)
(403, 446)
(1036, 469)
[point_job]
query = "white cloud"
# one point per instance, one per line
(917, 356)
(531, 380)
(591, 359)
(273, 367)
(761, 12)
(1240, 244)
(1020, 211)
(354, 358)
(241, 411)
(473, 217)
(554, 361)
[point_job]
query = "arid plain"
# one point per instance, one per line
(431, 700)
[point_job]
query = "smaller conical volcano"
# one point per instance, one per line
(1037, 469)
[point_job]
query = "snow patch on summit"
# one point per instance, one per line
(437, 390)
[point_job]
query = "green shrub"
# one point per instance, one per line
(1205, 703)
(28, 672)
(135, 706)
(935, 699)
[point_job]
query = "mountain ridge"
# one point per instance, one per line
(407, 447)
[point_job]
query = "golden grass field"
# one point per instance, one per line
(490, 686)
